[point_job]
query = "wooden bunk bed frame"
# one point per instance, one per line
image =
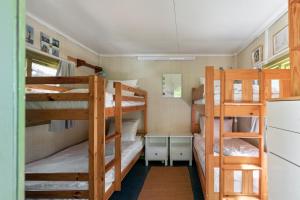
(245, 108)
(96, 114)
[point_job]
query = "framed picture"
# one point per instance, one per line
(257, 55)
(55, 47)
(49, 45)
(280, 40)
(55, 52)
(55, 43)
(29, 34)
(45, 43)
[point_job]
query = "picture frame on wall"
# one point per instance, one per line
(49, 45)
(45, 43)
(55, 47)
(281, 40)
(29, 34)
(257, 55)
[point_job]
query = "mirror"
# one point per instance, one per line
(171, 85)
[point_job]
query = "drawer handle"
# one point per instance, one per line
(181, 154)
(155, 154)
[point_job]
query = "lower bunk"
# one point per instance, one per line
(243, 184)
(75, 160)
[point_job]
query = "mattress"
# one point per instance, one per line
(109, 102)
(232, 147)
(75, 159)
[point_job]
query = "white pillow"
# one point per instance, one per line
(227, 126)
(110, 86)
(129, 129)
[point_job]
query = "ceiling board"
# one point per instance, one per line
(149, 27)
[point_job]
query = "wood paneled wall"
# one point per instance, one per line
(294, 43)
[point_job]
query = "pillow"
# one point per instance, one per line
(227, 126)
(129, 129)
(110, 86)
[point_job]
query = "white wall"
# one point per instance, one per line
(244, 57)
(165, 115)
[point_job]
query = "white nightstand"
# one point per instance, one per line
(157, 146)
(181, 147)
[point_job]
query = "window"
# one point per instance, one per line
(38, 64)
(42, 70)
(281, 63)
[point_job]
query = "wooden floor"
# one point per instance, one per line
(134, 181)
(167, 183)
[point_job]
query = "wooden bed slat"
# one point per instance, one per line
(58, 97)
(131, 98)
(47, 87)
(58, 80)
(56, 177)
(57, 114)
(241, 74)
(63, 194)
(136, 91)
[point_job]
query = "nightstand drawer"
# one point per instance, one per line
(157, 153)
(181, 153)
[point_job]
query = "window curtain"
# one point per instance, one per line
(64, 69)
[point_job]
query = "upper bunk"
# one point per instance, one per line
(241, 88)
(74, 98)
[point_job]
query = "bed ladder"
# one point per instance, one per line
(225, 163)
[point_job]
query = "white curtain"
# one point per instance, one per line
(64, 69)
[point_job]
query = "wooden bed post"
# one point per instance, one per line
(118, 125)
(209, 129)
(294, 44)
(145, 114)
(96, 138)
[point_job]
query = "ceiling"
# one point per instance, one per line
(159, 26)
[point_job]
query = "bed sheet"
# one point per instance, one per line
(109, 102)
(232, 147)
(75, 159)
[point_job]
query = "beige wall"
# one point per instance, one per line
(166, 115)
(244, 57)
(67, 47)
(39, 141)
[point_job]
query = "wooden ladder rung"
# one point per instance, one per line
(241, 167)
(241, 197)
(252, 135)
(109, 165)
(232, 103)
(111, 137)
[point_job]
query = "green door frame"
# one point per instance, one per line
(12, 104)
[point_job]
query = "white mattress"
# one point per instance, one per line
(75, 159)
(232, 147)
(109, 102)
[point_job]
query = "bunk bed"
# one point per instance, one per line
(83, 171)
(228, 166)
